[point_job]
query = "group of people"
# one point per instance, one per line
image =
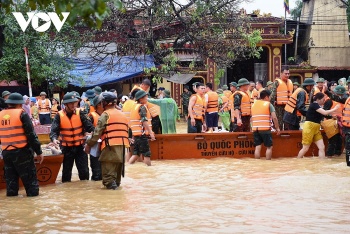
(111, 131)
(282, 105)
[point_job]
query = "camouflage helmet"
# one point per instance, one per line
(243, 81)
(339, 90)
(140, 94)
(69, 98)
(15, 98)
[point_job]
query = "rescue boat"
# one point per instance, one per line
(47, 171)
(227, 144)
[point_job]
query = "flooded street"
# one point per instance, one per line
(220, 195)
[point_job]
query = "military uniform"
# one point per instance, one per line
(112, 155)
(185, 99)
(19, 144)
(72, 153)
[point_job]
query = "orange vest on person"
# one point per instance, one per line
(116, 132)
(95, 116)
(231, 100)
(198, 108)
(284, 91)
(127, 107)
(227, 93)
(317, 90)
(261, 116)
(339, 111)
(254, 95)
(292, 102)
(224, 100)
(91, 107)
(44, 107)
(213, 103)
(54, 110)
(12, 133)
(345, 118)
(153, 109)
(245, 104)
(71, 129)
(135, 121)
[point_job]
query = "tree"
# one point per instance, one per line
(296, 11)
(211, 29)
(47, 52)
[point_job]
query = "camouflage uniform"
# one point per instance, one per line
(20, 162)
(245, 127)
(141, 145)
(185, 99)
(73, 153)
(111, 158)
(279, 108)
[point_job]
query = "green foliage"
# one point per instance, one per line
(296, 11)
(91, 13)
(47, 52)
(253, 39)
(218, 75)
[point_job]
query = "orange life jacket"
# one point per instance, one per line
(198, 108)
(231, 100)
(71, 129)
(284, 91)
(245, 104)
(212, 105)
(227, 93)
(54, 110)
(254, 95)
(317, 90)
(261, 116)
(154, 109)
(116, 132)
(127, 107)
(12, 134)
(95, 117)
(292, 102)
(224, 100)
(135, 121)
(339, 111)
(345, 113)
(44, 107)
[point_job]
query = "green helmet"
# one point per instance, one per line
(320, 80)
(296, 83)
(42, 94)
(15, 98)
(140, 94)
(69, 97)
(308, 81)
(339, 90)
(224, 87)
(77, 95)
(233, 84)
(5, 93)
(90, 93)
(243, 81)
(96, 100)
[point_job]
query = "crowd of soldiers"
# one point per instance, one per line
(282, 100)
(106, 127)
(100, 124)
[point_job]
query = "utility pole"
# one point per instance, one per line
(296, 41)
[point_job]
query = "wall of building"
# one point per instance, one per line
(328, 41)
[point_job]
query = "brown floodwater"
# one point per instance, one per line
(221, 195)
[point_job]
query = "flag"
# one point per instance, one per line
(286, 6)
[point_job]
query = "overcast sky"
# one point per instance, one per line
(275, 7)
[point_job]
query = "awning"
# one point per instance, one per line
(179, 78)
(90, 73)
